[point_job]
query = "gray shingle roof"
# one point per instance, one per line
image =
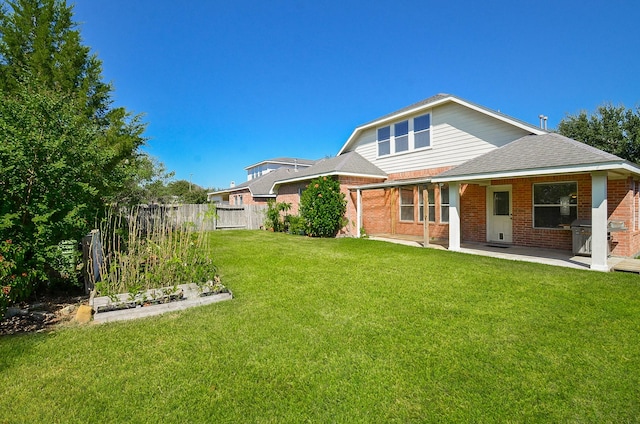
(533, 152)
(348, 163)
(426, 101)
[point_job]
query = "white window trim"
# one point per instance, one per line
(411, 137)
(533, 204)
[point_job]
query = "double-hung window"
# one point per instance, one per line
(555, 204)
(384, 141)
(422, 131)
(401, 136)
(404, 136)
(406, 204)
(444, 203)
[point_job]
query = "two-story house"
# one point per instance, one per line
(260, 178)
(458, 171)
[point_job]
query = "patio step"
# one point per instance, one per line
(628, 265)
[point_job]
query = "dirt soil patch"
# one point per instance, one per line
(43, 315)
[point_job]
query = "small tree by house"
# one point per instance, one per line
(323, 205)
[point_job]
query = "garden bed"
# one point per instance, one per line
(156, 301)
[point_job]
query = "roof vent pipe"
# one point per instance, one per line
(543, 122)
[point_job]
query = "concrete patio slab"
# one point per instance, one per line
(554, 257)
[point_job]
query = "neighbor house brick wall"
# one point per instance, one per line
(240, 197)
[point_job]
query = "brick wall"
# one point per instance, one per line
(473, 215)
(290, 193)
(234, 198)
(623, 202)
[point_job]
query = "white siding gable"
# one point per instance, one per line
(457, 135)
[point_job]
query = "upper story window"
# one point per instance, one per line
(422, 131)
(384, 141)
(403, 136)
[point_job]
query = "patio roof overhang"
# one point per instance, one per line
(318, 175)
(393, 183)
(615, 170)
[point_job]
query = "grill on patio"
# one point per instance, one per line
(581, 232)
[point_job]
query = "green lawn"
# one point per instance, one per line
(348, 331)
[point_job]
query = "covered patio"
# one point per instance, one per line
(554, 257)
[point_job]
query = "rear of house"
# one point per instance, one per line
(477, 175)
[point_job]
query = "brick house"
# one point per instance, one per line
(260, 179)
(477, 175)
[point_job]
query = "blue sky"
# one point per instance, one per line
(226, 84)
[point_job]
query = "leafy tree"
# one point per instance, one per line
(323, 205)
(49, 176)
(186, 192)
(613, 129)
(65, 150)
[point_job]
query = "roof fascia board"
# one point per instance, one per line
(327, 174)
(542, 171)
(388, 184)
(527, 127)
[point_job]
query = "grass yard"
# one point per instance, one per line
(348, 331)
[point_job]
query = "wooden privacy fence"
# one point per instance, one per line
(213, 217)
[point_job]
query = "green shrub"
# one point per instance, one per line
(15, 281)
(323, 205)
(274, 219)
(295, 224)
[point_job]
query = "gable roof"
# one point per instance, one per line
(348, 164)
(431, 102)
(538, 155)
(284, 161)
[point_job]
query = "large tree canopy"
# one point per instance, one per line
(613, 129)
(64, 150)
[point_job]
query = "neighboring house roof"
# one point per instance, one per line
(284, 161)
(538, 155)
(431, 102)
(258, 187)
(348, 164)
